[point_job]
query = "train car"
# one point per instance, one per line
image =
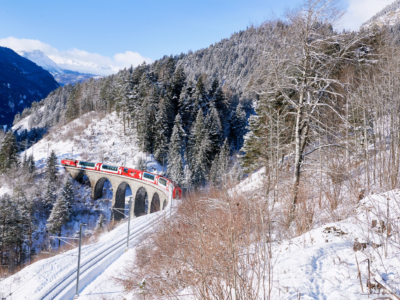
(68, 162)
(177, 192)
(163, 182)
(133, 173)
(88, 165)
(111, 169)
(149, 177)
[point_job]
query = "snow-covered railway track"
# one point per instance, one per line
(69, 279)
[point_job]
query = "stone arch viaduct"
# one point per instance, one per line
(157, 197)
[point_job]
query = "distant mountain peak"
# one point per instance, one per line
(388, 16)
(42, 60)
(62, 76)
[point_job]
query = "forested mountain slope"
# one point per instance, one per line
(21, 83)
(388, 16)
(154, 98)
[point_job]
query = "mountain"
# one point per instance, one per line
(21, 83)
(232, 61)
(62, 76)
(388, 16)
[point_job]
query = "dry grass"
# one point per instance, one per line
(213, 246)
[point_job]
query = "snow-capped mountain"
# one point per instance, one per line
(62, 76)
(21, 83)
(388, 16)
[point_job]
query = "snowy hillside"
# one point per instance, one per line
(93, 137)
(36, 280)
(62, 76)
(388, 16)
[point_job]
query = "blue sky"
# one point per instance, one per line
(97, 31)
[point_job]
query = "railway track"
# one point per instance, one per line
(60, 285)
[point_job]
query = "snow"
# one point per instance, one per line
(4, 190)
(33, 281)
(389, 19)
(92, 138)
(42, 60)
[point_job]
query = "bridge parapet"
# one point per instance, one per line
(157, 196)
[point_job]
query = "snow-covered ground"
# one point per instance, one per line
(33, 281)
(92, 137)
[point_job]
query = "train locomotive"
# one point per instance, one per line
(156, 179)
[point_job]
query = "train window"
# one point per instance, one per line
(109, 168)
(126, 170)
(149, 176)
(87, 164)
(162, 181)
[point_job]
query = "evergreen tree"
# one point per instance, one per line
(67, 192)
(161, 132)
(31, 164)
(11, 232)
(175, 163)
(224, 157)
(238, 126)
(198, 151)
(214, 128)
(72, 107)
(186, 103)
(27, 208)
(59, 216)
(214, 171)
(8, 152)
(200, 94)
(51, 168)
(214, 87)
(50, 179)
(141, 164)
(49, 196)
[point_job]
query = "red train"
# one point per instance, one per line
(159, 180)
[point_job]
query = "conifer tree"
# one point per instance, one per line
(31, 164)
(186, 103)
(200, 94)
(51, 172)
(199, 144)
(51, 168)
(29, 221)
(214, 171)
(175, 163)
(8, 152)
(161, 132)
(238, 126)
(67, 192)
(224, 158)
(72, 109)
(11, 229)
(214, 128)
(59, 216)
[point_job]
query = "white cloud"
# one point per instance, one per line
(360, 11)
(78, 60)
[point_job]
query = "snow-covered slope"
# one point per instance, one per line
(92, 137)
(38, 279)
(388, 16)
(62, 76)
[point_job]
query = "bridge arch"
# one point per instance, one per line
(98, 188)
(155, 203)
(141, 202)
(119, 203)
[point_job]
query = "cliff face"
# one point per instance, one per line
(21, 83)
